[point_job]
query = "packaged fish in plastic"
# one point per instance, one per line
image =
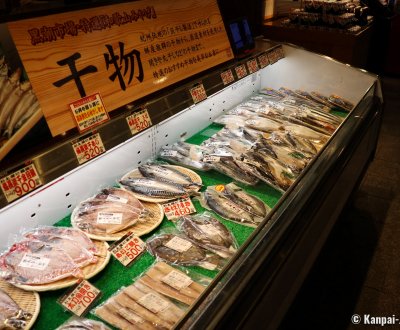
(175, 248)
(102, 217)
(209, 233)
(12, 316)
(139, 307)
(75, 322)
(118, 195)
(228, 209)
(180, 284)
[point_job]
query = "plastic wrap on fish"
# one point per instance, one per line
(209, 233)
(11, 315)
(82, 323)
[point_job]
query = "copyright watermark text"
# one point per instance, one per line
(367, 319)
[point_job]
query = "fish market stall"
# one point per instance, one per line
(212, 215)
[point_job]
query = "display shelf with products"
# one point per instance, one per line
(262, 277)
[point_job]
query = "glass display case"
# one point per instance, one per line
(261, 279)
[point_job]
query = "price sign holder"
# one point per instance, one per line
(252, 65)
(227, 77)
(127, 249)
(89, 112)
(177, 208)
(20, 181)
(241, 71)
(139, 121)
(80, 298)
(198, 93)
(88, 147)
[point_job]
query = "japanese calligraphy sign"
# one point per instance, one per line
(178, 208)
(20, 182)
(241, 71)
(276, 54)
(263, 60)
(252, 65)
(127, 249)
(88, 148)
(139, 121)
(89, 112)
(123, 51)
(80, 298)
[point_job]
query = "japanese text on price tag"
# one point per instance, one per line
(88, 148)
(252, 65)
(241, 71)
(178, 208)
(89, 112)
(227, 77)
(198, 93)
(20, 182)
(80, 298)
(127, 249)
(139, 121)
(263, 60)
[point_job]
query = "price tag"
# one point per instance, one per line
(178, 208)
(89, 111)
(178, 244)
(88, 148)
(263, 60)
(20, 182)
(109, 218)
(80, 298)
(198, 93)
(177, 280)
(275, 55)
(241, 71)
(169, 153)
(211, 159)
(34, 262)
(153, 302)
(127, 249)
(252, 65)
(227, 77)
(279, 53)
(139, 121)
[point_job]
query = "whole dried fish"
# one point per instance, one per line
(156, 189)
(209, 233)
(76, 323)
(228, 209)
(11, 315)
(168, 174)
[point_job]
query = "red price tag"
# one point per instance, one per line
(20, 182)
(80, 298)
(241, 71)
(89, 112)
(252, 65)
(88, 148)
(139, 121)
(227, 77)
(198, 93)
(263, 60)
(127, 249)
(180, 207)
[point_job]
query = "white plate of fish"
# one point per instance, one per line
(19, 308)
(161, 183)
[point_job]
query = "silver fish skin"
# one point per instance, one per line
(230, 168)
(249, 203)
(228, 209)
(155, 188)
(168, 174)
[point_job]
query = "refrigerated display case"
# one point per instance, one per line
(260, 281)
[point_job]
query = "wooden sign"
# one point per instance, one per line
(123, 51)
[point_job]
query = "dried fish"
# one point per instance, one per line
(11, 315)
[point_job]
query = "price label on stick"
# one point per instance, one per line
(252, 65)
(227, 77)
(127, 249)
(80, 298)
(139, 121)
(178, 208)
(20, 182)
(88, 148)
(241, 71)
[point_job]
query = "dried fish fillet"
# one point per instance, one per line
(11, 315)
